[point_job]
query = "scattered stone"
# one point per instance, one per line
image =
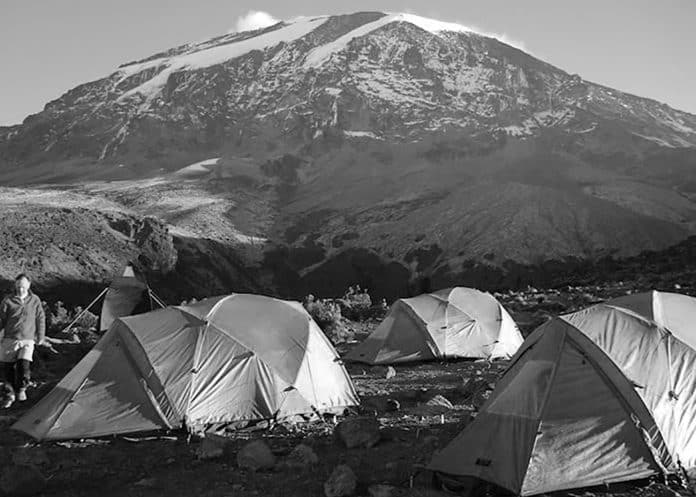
(341, 483)
(380, 490)
(393, 405)
(146, 482)
(391, 373)
(17, 479)
(256, 455)
(473, 386)
(301, 456)
(440, 401)
(358, 432)
(661, 490)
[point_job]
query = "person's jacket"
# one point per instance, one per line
(23, 320)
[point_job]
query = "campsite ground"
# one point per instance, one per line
(167, 464)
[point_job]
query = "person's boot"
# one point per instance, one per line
(8, 398)
(22, 394)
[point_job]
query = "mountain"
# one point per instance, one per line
(372, 148)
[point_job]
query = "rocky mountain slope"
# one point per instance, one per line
(368, 147)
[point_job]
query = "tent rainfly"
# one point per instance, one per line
(455, 322)
(600, 396)
(231, 358)
(126, 295)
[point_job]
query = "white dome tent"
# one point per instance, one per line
(452, 323)
(232, 358)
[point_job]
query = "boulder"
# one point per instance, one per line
(391, 373)
(358, 432)
(211, 447)
(341, 483)
(20, 479)
(256, 455)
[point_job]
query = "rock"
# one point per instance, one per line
(256, 455)
(301, 456)
(393, 405)
(146, 482)
(19, 479)
(211, 447)
(380, 490)
(439, 401)
(358, 432)
(391, 373)
(341, 483)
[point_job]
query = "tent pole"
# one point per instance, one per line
(84, 311)
(159, 301)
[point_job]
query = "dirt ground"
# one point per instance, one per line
(166, 463)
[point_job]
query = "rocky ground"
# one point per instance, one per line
(407, 413)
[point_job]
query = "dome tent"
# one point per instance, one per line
(126, 295)
(455, 322)
(232, 358)
(599, 396)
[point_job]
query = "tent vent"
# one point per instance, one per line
(673, 395)
(483, 462)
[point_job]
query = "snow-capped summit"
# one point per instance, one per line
(440, 143)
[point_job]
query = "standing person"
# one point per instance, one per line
(23, 320)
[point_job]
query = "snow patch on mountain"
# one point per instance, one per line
(216, 55)
(321, 54)
(655, 139)
(202, 167)
(362, 134)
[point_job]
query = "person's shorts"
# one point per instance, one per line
(13, 350)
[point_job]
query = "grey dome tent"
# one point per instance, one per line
(451, 323)
(232, 358)
(599, 396)
(126, 294)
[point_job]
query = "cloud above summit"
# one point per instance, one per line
(254, 19)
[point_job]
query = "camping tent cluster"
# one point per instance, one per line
(603, 395)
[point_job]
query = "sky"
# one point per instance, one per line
(644, 47)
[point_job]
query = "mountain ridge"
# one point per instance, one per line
(367, 133)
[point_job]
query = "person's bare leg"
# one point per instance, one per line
(8, 371)
(22, 379)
